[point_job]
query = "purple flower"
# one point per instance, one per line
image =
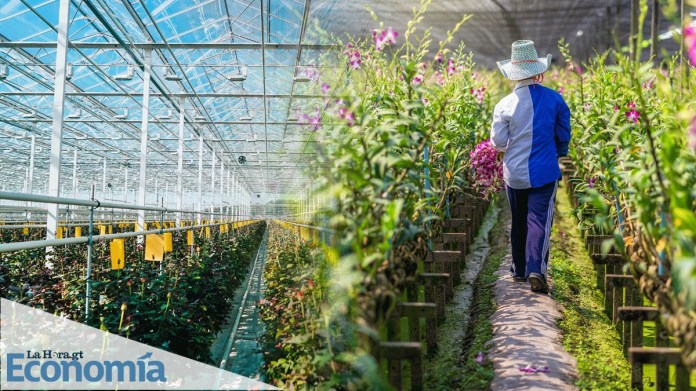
(312, 73)
(648, 85)
(487, 168)
(451, 67)
(382, 37)
(560, 90)
(349, 47)
(325, 88)
(315, 120)
(690, 43)
(692, 134)
(439, 78)
(633, 115)
(345, 114)
(354, 58)
(588, 106)
(425, 101)
(390, 36)
(591, 182)
(479, 358)
(439, 57)
(479, 93)
(534, 369)
(417, 80)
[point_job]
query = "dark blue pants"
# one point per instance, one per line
(532, 216)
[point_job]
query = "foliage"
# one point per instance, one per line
(394, 148)
(631, 148)
(291, 309)
(169, 308)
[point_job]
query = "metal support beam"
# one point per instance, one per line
(32, 156)
(222, 183)
(125, 187)
(199, 206)
(161, 95)
(143, 140)
(180, 163)
(103, 179)
(58, 111)
(74, 174)
(212, 182)
(170, 46)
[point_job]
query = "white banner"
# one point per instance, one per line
(42, 351)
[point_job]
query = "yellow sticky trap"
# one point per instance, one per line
(102, 230)
(78, 232)
(59, 233)
(189, 238)
(118, 254)
(111, 229)
(207, 232)
(135, 227)
(168, 243)
(145, 226)
(154, 247)
(25, 230)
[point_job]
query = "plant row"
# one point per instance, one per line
(395, 146)
(178, 305)
(633, 149)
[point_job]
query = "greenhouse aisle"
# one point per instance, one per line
(242, 339)
(526, 336)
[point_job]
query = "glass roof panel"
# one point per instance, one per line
(206, 59)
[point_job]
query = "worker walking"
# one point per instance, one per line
(532, 127)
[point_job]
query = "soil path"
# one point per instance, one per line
(525, 333)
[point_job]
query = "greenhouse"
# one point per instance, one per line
(348, 195)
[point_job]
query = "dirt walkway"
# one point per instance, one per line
(525, 334)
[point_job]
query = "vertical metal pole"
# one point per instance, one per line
(88, 277)
(74, 173)
(180, 163)
(143, 140)
(32, 157)
(654, 25)
(125, 187)
(233, 200)
(212, 184)
(104, 179)
(200, 177)
(227, 195)
(57, 126)
(222, 183)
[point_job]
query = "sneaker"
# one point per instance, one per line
(538, 283)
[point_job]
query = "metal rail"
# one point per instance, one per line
(34, 244)
(167, 46)
(11, 196)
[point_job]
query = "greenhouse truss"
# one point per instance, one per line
(348, 195)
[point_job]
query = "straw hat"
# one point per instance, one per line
(524, 62)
